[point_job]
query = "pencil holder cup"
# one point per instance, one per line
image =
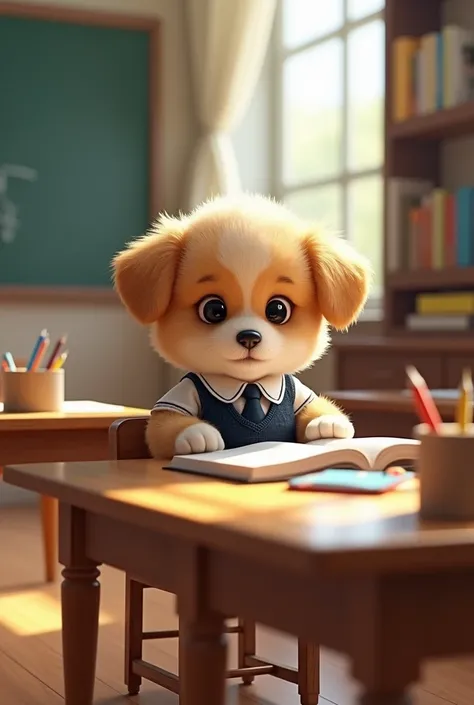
(446, 473)
(28, 392)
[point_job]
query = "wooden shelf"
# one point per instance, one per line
(400, 342)
(420, 279)
(453, 122)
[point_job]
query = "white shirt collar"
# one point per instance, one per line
(228, 390)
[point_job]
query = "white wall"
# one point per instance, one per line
(111, 359)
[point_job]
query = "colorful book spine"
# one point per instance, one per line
(429, 228)
(404, 49)
(414, 238)
(403, 196)
(433, 322)
(449, 39)
(464, 229)
(438, 228)
(418, 84)
(450, 231)
(429, 79)
(439, 76)
(447, 303)
(432, 72)
(426, 239)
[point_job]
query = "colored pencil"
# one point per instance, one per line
(424, 404)
(8, 363)
(59, 362)
(43, 335)
(55, 354)
(464, 409)
(39, 354)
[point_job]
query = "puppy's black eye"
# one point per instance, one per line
(212, 310)
(278, 310)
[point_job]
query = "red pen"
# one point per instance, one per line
(424, 403)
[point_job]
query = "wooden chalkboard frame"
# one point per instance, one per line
(152, 25)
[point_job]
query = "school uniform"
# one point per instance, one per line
(244, 413)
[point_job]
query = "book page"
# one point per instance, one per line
(377, 449)
(397, 451)
(256, 455)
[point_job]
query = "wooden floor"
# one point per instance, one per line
(30, 641)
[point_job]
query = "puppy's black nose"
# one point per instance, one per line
(248, 338)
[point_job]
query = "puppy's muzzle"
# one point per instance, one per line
(248, 339)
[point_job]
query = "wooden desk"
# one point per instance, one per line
(357, 574)
(80, 432)
(387, 413)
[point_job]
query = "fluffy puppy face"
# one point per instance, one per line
(240, 288)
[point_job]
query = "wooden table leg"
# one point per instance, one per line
(247, 646)
(133, 632)
(202, 660)
(80, 597)
(386, 641)
(308, 672)
(49, 524)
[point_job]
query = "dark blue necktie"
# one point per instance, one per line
(253, 409)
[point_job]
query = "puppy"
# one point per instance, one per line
(240, 292)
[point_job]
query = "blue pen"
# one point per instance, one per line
(8, 357)
(43, 335)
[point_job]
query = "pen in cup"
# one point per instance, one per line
(464, 408)
(424, 403)
(59, 362)
(56, 353)
(8, 363)
(38, 351)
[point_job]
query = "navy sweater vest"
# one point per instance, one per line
(279, 423)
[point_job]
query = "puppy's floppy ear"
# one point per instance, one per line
(341, 276)
(145, 272)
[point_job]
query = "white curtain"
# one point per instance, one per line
(228, 43)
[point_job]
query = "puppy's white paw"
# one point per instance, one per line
(198, 438)
(336, 426)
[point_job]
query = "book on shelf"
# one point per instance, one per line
(439, 323)
(403, 196)
(272, 461)
(442, 312)
(432, 72)
(446, 303)
(429, 228)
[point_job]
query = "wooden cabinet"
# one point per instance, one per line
(454, 366)
(366, 370)
(379, 363)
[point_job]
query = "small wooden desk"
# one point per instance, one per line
(360, 575)
(387, 413)
(80, 432)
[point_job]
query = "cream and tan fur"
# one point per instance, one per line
(245, 250)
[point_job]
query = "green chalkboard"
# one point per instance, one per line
(74, 108)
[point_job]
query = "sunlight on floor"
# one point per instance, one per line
(32, 613)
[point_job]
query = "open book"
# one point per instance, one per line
(273, 461)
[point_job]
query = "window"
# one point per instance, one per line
(329, 137)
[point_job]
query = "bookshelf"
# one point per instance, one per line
(414, 150)
(440, 125)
